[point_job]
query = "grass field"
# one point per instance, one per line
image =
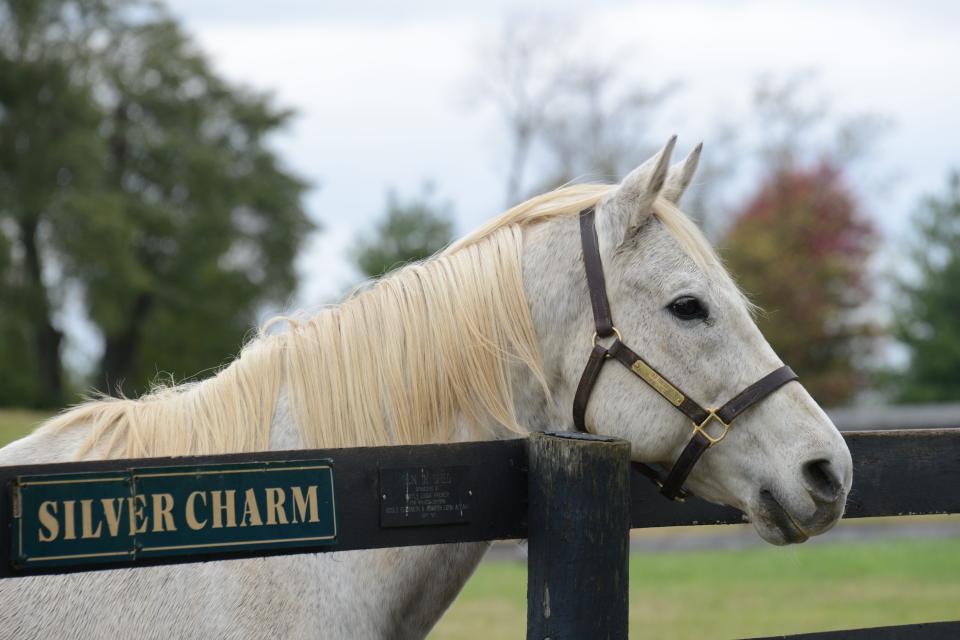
(721, 594)
(16, 423)
(738, 594)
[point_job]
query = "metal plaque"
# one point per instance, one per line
(425, 496)
(83, 518)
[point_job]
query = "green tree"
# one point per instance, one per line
(189, 224)
(410, 230)
(799, 248)
(50, 154)
(208, 222)
(928, 309)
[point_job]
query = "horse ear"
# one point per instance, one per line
(680, 175)
(629, 206)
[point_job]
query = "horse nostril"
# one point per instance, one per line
(822, 480)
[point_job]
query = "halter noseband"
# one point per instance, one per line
(671, 485)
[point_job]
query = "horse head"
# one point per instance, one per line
(782, 461)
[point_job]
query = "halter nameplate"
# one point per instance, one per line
(655, 380)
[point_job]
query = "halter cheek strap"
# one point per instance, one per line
(701, 439)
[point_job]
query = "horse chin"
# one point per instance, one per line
(774, 523)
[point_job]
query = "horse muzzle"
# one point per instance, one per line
(824, 503)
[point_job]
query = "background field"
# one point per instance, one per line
(16, 423)
(751, 592)
(741, 593)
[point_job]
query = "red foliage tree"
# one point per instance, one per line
(799, 248)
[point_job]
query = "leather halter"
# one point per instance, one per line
(671, 484)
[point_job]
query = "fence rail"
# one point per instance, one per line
(895, 473)
(942, 415)
(532, 489)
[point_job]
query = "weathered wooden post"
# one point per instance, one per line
(579, 537)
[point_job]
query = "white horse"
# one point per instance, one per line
(486, 340)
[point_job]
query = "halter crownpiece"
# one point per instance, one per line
(701, 439)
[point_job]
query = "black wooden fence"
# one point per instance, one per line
(573, 497)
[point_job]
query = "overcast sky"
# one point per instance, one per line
(379, 90)
(379, 86)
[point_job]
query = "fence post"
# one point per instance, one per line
(579, 537)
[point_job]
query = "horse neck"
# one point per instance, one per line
(534, 410)
(557, 295)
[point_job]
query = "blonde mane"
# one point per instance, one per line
(400, 362)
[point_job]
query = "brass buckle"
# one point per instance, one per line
(615, 332)
(701, 428)
(680, 497)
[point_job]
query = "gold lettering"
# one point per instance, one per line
(191, 513)
(138, 522)
(219, 508)
(251, 512)
(301, 504)
(69, 524)
(275, 500)
(162, 518)
(112, 513)
(86, 520)
(48, 519)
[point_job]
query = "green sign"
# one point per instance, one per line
(118, 516)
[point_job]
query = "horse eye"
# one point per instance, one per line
(688, 308)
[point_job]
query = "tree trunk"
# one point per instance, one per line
(118, 364)
(518, 162)
(46, 337)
